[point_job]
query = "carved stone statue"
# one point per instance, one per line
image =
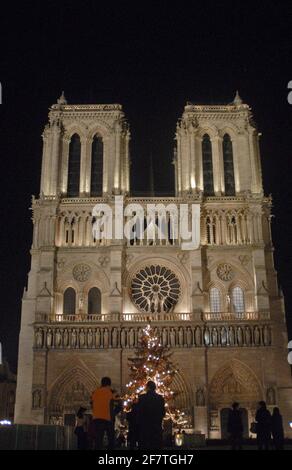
(81, 338)
(73, 338)
(239, 336)
(89, 338)
(123, 338)
(97, 338)
(181, 337)
(223, 336)
(198, 336)
(65, 338)
(200, 397)
(49, 338)
(58, 338)
(105, 338)
(256, 336)
(131, 338)
(271, 396)
(215, 337)
(39, 338)
(114, 338)
(247, 336)
(231, 336)
(267, 336)
(189, 337)
(164, 337)
(36, 399)
(172, 338)
(206, 337)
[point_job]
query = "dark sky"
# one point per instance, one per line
(151, 59)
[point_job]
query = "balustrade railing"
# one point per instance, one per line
(154, 317)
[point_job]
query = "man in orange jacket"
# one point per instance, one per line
(102, 406)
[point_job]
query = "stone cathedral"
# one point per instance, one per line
(218, 306)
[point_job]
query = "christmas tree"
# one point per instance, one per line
(152, 362)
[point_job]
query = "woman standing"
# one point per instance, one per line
(277, 429)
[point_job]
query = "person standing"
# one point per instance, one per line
(235, 427)
(151, 411)
(264, 424)
(81, 429)
(102, 410)
(133, 428)
(277, 429)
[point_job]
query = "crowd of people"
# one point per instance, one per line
(268, 427)
(144, 422)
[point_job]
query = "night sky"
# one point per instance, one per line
(151, 59)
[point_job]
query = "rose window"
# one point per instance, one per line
(155, 289)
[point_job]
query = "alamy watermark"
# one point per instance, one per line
(290, 353)
(289, 97)
(170, 222)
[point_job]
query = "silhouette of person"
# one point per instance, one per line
(151, 411)
(235, 427)
(81, 429)
(277, 429)
(264, 424)
(133, 426)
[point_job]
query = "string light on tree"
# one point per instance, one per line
(152, 362)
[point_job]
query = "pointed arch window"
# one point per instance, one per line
(96, 166)
(69, 304)
(215, 300)
(94, 301)
(237, 299)
(74, 166)
(229, 180)
(207, 166)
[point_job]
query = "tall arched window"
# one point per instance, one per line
(228, 166)
(215, 300)
(96, 166)
(207, 166)
(237, 299)
(74, 166)
(69, 304)
(94, 301)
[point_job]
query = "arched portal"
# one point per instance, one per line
(72, 390)
(234, 382)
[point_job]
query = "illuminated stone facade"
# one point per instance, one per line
(218, 307)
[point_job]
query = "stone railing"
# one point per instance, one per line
(232, 316)
(126, 336)
(197, 316)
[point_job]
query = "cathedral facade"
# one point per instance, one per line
(217, 305)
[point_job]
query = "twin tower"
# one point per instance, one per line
(86, 151)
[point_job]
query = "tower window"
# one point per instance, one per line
(96, 166)
(69, 307)
(207, 166)
(215, 300)
(94, 301)
(237, 297)
(228, 166)
(74, 166)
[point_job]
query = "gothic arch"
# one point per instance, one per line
(72, 389)
(211, 130)
(242, 277)
(183, 392)
(234, 381)
(98, 278)
(101, 128)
